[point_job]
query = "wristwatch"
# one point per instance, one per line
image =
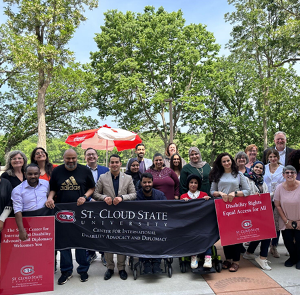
(85, 196)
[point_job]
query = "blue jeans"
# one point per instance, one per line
(66, 262)
(264, 247)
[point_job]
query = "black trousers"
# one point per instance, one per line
(233, 252)
(291, 239)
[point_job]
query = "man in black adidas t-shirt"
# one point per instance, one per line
(71, 182)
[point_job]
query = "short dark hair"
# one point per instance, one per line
(139, 144)
(90, 148)
(31, 165)
(146, 175)
(114, 156)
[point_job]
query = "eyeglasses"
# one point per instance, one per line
(16, 159)
(289, 172)
(40, 153)
(92, 154)
(135, 165)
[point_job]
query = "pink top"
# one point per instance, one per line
(290, 204)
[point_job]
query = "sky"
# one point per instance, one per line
(207, 12)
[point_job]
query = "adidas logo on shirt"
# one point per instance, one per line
(70, 185)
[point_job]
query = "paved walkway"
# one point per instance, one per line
(248, 280)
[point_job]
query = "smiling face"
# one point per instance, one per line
(241, 162)
(91, 157)
(17, 161)
(273, 159)
(158, 162)
(226, 163)
(176, 161)
(172, 149)
(258, 169)
(290, 176)
(280, 141)
(252, 153)
(115, 165)
(40, 155)
(147, 184)
(140, 151)
(135, 167)
(193, 185)
(70, 160)
(194, 157)
(32, 175)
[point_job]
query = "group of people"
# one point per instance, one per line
(29, 187)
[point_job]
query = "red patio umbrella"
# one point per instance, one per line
(105, 138)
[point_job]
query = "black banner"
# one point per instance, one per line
(136, 228)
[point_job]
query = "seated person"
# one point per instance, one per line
(194, 184)
(147, 192)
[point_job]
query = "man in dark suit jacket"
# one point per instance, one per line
(91, 158)
(280, 146)
(114, 187)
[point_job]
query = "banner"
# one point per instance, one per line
(27, 266)
(137, 228)
(245, 219)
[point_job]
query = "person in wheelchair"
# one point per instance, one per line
(147, 192)
(194, 184)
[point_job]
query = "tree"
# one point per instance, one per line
(144, 59)
(39, 34)
(70, 93)
(7, 67)
(256, 38)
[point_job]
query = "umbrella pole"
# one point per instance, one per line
(106, 152)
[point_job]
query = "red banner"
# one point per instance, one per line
(27, 266)
(245, 219)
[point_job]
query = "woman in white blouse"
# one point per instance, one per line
(273, 176)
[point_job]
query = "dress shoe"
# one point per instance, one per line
(289, 263)
(108, 274)
(123, 274)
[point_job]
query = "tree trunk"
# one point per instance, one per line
(41, 111)
(41, 119)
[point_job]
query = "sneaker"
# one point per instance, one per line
(263, 263)
(274, 252)
(249, 256)
(103, 260)
(156, 267)
(65, 276)
(84, 277)
(207, 262)
(194, 262)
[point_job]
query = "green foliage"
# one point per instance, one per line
(37, 37)
(68, 95)
(146, 58)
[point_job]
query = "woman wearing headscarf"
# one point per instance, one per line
(257, 186)
(195, 166)
(134, 171)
